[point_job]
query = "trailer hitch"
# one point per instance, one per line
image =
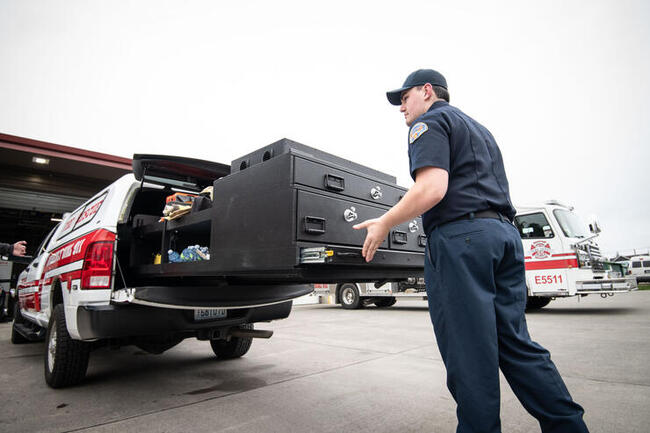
(250, 333)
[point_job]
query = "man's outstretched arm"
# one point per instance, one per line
(430, 187)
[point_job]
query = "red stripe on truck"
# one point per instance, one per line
(552, 264)
(555, 255)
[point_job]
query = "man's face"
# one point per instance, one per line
(414, 104)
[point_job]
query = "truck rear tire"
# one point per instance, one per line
(349, 296)
(385, 302)
(235, 348)
(66, 360)
(536, 302)
(17, 337)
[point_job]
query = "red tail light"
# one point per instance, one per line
(98, 266)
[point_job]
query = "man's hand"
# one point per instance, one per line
(377, 232)
(430, 187)
(20, 248)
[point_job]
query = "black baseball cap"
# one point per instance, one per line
(417, 78)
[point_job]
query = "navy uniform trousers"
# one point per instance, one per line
(475, 279)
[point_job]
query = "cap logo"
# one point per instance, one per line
(417, 130)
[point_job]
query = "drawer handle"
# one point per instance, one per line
(400, 237)
(422, 241)
(335, 183)
(343, 254)
(376, 193)
(314, 225)
(350, 214)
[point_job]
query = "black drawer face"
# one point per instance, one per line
(408, 236)
(330, 220)
(329, 179)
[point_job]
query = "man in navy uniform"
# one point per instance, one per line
(474, 263)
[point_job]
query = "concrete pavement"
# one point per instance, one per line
(332, 370)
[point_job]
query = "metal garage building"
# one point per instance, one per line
(40, 181)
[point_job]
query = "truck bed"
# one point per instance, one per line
(283, 215)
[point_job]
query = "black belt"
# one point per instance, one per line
(480, 214)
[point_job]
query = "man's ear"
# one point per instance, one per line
(428, 91)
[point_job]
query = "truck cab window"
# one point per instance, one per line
(571, 224)
(533, 226)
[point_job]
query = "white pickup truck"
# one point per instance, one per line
(280, 219)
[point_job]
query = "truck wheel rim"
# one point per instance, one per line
(348, 295)
(51, 350)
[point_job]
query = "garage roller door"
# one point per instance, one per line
(39, 201)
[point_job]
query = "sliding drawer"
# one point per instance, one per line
(329, 220)
(326, 178)
(408, 236)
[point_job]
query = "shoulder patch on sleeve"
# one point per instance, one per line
(417, 130)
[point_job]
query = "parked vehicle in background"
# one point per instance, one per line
(562, 256)
(9, 269)
(640, 268)
(562, 260)
(352, 295)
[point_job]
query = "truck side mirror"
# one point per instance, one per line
(594, 225)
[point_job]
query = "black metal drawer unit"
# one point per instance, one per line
(285, 214)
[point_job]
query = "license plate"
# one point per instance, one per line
(209, 314)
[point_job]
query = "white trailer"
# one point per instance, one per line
(353, 295)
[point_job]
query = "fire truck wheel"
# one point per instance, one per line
(536, 302)
(385, 302)
(236, 347)
(349, 296)
(66, 360)
(17, 337)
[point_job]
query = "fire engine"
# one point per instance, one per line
(562, 259)
(562, 256)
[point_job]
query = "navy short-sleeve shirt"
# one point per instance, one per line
(447, 138)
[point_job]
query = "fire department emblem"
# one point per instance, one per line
(417, 130)
(540, 250)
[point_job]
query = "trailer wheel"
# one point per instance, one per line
(66, 360)
(536, 302)
(17, 337)
(349, 296)
(385, 302)
(235, 348)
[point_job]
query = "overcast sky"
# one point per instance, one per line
(562, 85)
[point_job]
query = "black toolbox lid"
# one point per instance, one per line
(285, 145)
(177, 171)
